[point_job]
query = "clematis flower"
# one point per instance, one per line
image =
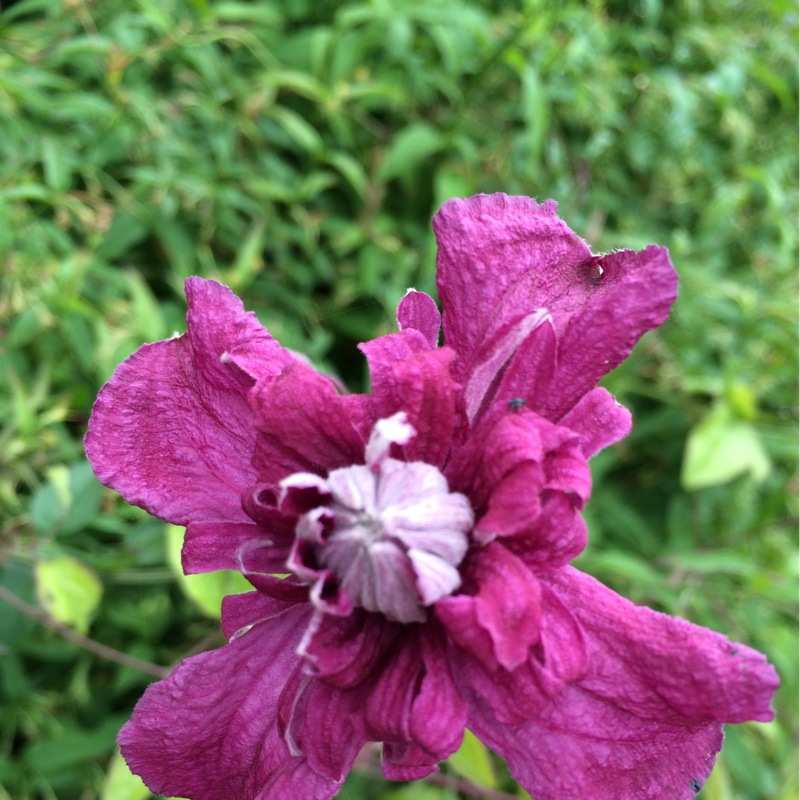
(409, 549)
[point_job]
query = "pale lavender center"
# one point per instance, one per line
(391, 531)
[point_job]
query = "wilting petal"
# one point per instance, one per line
(599, 420)
(423, 388)
(499, 257)
(210, 730)
(646, 719)
(633, 296)
(640, 648)
(581, 745)
(417, 310)
(209, 546)
(382, 355)
(514, 696)
(506, 606)
(346, 651)
(172, 431)
(301, 412)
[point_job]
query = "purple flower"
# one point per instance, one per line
(409, 549)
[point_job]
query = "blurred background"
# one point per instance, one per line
(296, 150)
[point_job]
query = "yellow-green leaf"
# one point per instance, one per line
(721, 448)
(121, 783)
(205, 591)
(473, 762)
(68, 590)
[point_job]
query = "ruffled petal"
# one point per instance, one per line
(347, 651)
(209, 546)
(634, 295)
(514, 696)
(646, 719)
(172, 431)
(582, 746)
(499, 257)
(599, 420)
(383, 354)
(210, 730)
(506, 606)
(418, 310)
(423, 388)
(302, 421)
(670, 669)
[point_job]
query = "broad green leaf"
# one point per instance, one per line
(720, 449)
(121, 783)
(207, 590)
(473, 762)
(68, 590)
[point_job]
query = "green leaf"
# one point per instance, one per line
(472, 760)
(68, 590)
(121, 783)
(205, 591)
(721, 448)
(68, 502)
(409, 148)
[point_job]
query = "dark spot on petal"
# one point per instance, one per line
(734, 651)
(696, 785)
(592, 270)
(516, 403)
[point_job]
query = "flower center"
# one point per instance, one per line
(390, 532)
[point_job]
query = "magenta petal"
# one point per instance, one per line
(383, 354)
(670, 668)
(506, 606)
(406, 761)
(645, 720)
(345, 651)
(633, 296)
(172, 431)
(438, 714)
(424, 389)
(582, 746)
(599, 420)
(529, 374)
(514, 696)
(301, 413)
(210, 546)
(554, 538)
(240, 612)
(418, 310)
(210, 730)
(387, 710)
(499, 257)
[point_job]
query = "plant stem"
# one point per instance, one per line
(98, 649)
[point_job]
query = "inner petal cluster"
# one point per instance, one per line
(389, 535)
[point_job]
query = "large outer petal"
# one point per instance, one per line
(645, 721)
(172, 431)
(211, 729)
(500, 258)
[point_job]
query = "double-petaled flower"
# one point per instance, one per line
(409, 548)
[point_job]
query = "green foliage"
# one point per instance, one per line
(296, 151)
